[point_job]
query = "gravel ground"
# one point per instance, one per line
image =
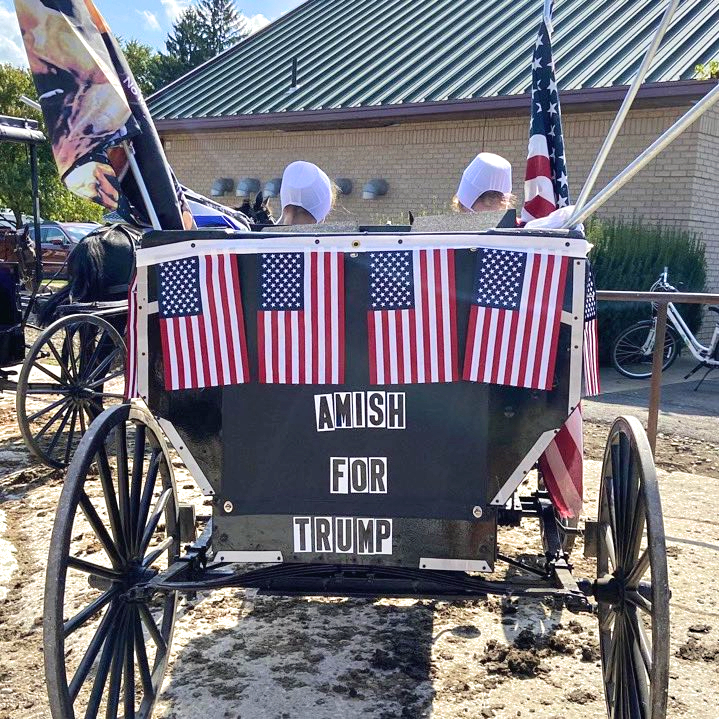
(241, 656)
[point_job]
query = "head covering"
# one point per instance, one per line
(486, 172)
(305, 185)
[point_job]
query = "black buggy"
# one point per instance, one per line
(335, 467)
(69, 371)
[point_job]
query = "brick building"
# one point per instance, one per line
(409, 92)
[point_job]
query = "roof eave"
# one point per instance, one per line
(658, 94)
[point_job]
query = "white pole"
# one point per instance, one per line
(691, 115)
(141, 185)
(624, 109)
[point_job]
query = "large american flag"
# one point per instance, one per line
(301, 323)
(561, 467)
(131, 341)
(591, 346)
(412, 317)
(201, 322)
(514, 318)
(546, 186)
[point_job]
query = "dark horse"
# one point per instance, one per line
(258, 212)
(99, 269)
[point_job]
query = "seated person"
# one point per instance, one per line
(486, 185)
(307, 194)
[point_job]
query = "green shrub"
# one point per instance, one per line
(630, 255)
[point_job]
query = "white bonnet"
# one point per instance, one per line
(305, 185)
(486, 172)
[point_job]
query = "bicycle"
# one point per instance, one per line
(633, 348)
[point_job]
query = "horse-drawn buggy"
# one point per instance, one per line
(71, 368)
(363, 411)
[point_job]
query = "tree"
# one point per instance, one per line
(222, 23)
(200, 33)
(56, 202)
(143, 62)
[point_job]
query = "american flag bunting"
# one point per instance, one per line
(562, 468)
(591, 344)
(514, 318)
(201, 322)
(301, 326)
(546, 186)
(412, 317)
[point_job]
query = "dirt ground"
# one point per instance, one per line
(241, 656)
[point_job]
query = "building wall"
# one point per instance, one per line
(423, 162)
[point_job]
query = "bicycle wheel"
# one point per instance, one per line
(633, 348)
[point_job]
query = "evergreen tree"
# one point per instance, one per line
(188, 42)
(223, 24)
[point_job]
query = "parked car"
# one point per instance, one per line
(57, 240)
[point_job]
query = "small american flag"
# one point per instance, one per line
(514, 318)
(546, 186)
(201, 322)
(562, 469)
(301, 326)
(412, 317)
(591, 345)
(131, 390)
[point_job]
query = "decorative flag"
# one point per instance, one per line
(546, 186)
(131, 341)
(301, 326)
(591, 345)
(514, 318)
(201, 322)
(561, 467)
(412, 317)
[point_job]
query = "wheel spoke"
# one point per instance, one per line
(47, 409)
(100, 369)
(138, 466)
(123, 483)
(100, 532)
(84, 615)
(149, 621)
(154, 520)
(141, 653)
(83, 565)
(118, 661)
(633, 597)
(51, 421)
(57, 356)
(44, 369)
(638, 570)
(70, 345)
(608, 537)
(92, 651)
(98, 685)
(163, 546)
(108, 491)
(107, 378)
(71, 434)
(640, 636)
(58, 432)
(129, 686)
(40, 388)
(636, 531)
(607, 622)
(153, 468)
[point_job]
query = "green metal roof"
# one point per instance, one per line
(365, 53)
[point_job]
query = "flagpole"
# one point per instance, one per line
(706, 103)
(623, 111)
(140, 180)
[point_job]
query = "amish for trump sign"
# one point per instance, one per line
(361, 406)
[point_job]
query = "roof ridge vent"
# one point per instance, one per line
(294, 85)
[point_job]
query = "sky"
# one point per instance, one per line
(146, 20)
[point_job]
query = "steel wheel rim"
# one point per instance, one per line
(635, 660)
(118, 671)
(73, 361)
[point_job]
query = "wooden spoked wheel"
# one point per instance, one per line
(106, 642)
(73, 371)
(632, 585)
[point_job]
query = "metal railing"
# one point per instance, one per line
(662, 300)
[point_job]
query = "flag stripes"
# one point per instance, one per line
(205, 347)
(562, 468)
(518, 346)
(304, 346)
(417, 344)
